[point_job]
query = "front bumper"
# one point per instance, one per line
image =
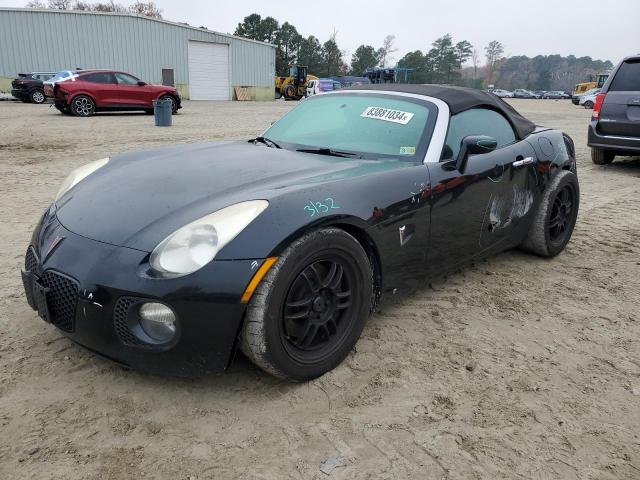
(87, 284)
(622, 144)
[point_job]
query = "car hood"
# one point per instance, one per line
(139, 198)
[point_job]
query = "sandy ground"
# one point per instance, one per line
(518, 367)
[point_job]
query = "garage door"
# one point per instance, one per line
(208, 71)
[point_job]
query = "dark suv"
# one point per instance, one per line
(28, 86)
(615, 124)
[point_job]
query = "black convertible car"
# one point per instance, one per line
(169, 260)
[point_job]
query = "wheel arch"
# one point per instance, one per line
(358, 229)
(371, 249)
(165, 93)
(72, 96)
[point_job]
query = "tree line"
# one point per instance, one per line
(146, 9)
(322, 58)
(546, 72)
(445, 62)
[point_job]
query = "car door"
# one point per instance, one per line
(131, 92)
(620, 112)
(102, 86)
(471, 210)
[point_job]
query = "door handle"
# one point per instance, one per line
(523, 162)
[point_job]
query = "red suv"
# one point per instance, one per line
(90, 91)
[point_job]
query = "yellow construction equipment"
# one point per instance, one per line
(294, 86)
(580, 88)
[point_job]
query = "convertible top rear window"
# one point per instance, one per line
(369, 125)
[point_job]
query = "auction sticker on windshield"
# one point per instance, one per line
(388, 115)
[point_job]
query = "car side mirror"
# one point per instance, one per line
(474, 145)
(141, 83)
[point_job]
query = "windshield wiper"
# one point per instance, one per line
(329, 151)
(268, 142)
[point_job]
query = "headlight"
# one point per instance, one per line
(79, 174)
(196, 244)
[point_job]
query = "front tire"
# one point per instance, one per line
(311, 307)
(588, 104)
(83, 106)
(556, 216)
(290, 92)
(174, 103)
(602, 157)
(37, 96)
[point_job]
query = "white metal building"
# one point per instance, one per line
(202, 64)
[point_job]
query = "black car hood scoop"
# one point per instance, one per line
(139, 198)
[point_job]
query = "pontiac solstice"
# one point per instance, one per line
(171, 260)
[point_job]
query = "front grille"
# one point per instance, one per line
(30, 260)
(61, 299)
(121, 320)
(62, 296)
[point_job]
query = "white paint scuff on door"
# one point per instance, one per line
(501, 216)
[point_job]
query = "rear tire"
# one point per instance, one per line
(556, 216)
(37, 96)
(83, 106)
(602, 157)
(588, 104)
(309, 310)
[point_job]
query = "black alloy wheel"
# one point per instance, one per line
(555, 216)
(561, 217)
(309, 310)
(318, 311)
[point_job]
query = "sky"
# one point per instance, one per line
(605, 30)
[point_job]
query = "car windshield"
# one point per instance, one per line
(372, 126)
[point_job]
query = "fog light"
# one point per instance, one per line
(158, 321)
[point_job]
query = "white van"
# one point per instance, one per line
(313, 88)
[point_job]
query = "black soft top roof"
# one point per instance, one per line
(460, 99)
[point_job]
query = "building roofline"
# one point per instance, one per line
(133, 15)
